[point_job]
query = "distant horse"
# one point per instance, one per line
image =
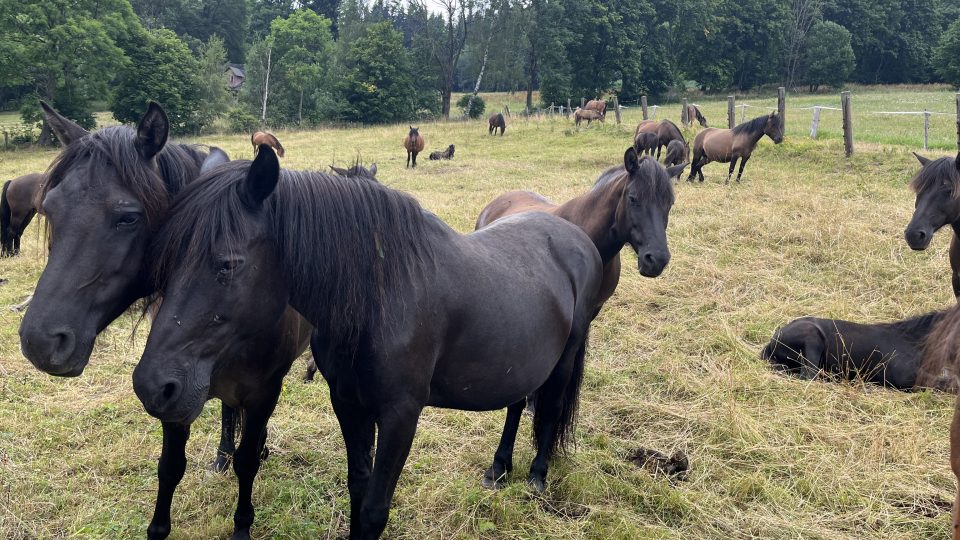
(693, 113)
(497, 121)
(937, 186)
(729, 145)
(408, 312)
(889, 354)
(106, 194)
(18, 205)
(588, 115)
(665, 129)
(597, 105)
(446, 154)
(267, 138)
(357, 171)
(677, 152)
(645, 143)
(414, 143)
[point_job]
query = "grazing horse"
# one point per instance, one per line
(693, 113)
(729, 145)
(677, 152)
(18, 205)
(446, 154)
(414, 143)
(105, 196)
(497, 121)
(597, 105)
(888, 354)
(408, 312)
(665, 129)
(357, 170)
(267, 138)
(588, 115)
(937, 186)
(645, 143)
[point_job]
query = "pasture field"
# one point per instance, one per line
(672, 364)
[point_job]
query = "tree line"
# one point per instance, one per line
(308, 61)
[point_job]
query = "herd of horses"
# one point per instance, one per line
(243, 264)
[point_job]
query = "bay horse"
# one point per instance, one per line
(106, 195)
(597, 105)
(665, 129)
(497, 122)
(408, 312)
(267, 138)
(414, 144)
(18, 205)
(888, 354)
(588, 115)
(446, 154)
(729, 145)
(693, 113)
(937, 186)
(677, 152)
(645, 143)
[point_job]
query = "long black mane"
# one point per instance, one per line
(933, 173)
(751, 127)
(918, 328)
(178, 164)
(342, 242)
(657, 185)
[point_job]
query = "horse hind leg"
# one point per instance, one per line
(743, 162)
(733, 163)
(503, 458)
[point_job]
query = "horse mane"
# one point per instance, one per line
(343, 243)
(177, 165)
(751, 126)
(941, 354)
(659, 189)
(931, 174)
(674, 126)
(917, 328)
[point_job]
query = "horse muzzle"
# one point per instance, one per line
(59, 352)
(918, 238)
(652, 263)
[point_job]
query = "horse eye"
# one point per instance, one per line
(632, 200)
(229, 265)
(217, 319)
(128, 220)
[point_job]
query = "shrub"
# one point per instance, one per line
(240, 120)
(476, 110)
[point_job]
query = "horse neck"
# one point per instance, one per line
(596, 213)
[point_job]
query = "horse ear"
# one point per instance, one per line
(630, 160)
(373, 169)
(214, 158)
(65, 130)
(261, 179)
(152, 131)
(676, 169)
(923, 161)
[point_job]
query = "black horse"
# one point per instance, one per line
(105, 196)
(888, 354)
(18, 205)
(937, 186)
(408, 312)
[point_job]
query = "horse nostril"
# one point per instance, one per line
(64, 343)
(649, 259)
(170, 391)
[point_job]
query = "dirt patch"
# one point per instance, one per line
(655, 462)
(929, 506)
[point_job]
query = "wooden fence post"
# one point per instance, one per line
(569, 108)
(643, 107)
(743, 112)
(583, 102)
(815, 125)
(926, 129)
(684, 117)
(616, 108)
(845, 104)
(731, 111)
(506, 108)
(782, 107)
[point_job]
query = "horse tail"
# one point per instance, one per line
(565, 426)
(6, 240)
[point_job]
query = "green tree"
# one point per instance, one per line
(829, 55)
(947, 55)
(302, 49)
(213, 98)
(161, 69)
(378, 86)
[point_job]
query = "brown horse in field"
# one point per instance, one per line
(414, 144)
(729, 145)
(677, 152)
(665, 129)
(693, 113)
(18, 205)
(497, 121)
(586, 114)
(597, 105)
(937, 186)
(267, 138)
(645, 143)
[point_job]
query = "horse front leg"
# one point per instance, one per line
(743, 162)
(503, 458)
(228, 430)
(733, 163)
(955, 466)
(397, 425)
(358, 429)
(173, 463)
(246, 460)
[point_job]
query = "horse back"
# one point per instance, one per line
(22, 193)
(514, 202)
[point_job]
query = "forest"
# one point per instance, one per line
(307, 62)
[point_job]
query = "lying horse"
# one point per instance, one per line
(888, 354)
(665, 130)
(497, 122)
(937, 186)
(729, 145)
(446, 154)
(588, 115)
(597, 105)
(414, 144)
(18, 205)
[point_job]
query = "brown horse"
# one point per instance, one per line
(597, 105)
(18, 205)
(497, 121)
(267, 138)
(665, 129)
(937, 186)
(586, 114)
(693, 113)
(645, 143)
(414, 143)
(729, 145)
(677, 152)
(446, 154)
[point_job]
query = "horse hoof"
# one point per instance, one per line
(537, 484)
(220, 465)
(265, 453)
(241, 535)
(492, 480)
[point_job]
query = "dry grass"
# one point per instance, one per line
(672, 365)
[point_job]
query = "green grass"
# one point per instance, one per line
(672, 365)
